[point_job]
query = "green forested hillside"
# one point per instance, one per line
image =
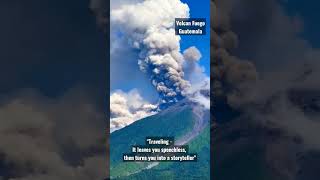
(175, 123)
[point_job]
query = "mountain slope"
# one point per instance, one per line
(184, 121)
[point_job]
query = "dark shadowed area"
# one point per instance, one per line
(54, 82)
(266, 105)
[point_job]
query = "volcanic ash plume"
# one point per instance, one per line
(232, 77)
(149, 28)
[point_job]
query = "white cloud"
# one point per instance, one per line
(126, 108)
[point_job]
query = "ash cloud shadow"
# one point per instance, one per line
(265, 93)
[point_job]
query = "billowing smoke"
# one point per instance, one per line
(192, 54)
(232, 76)
(200, 83)
(126, 108)
(143, 38)
(45, 138)
(238, 79)
(265, 73)
(149, 28)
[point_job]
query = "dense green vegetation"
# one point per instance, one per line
(184, 170)
(173, 124)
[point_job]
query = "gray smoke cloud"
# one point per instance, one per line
(192, 54)
(43, 138)
(265, 71)
(154, 37)
(238, 75)
(244, 84)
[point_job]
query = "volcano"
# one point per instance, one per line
(187, 122)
